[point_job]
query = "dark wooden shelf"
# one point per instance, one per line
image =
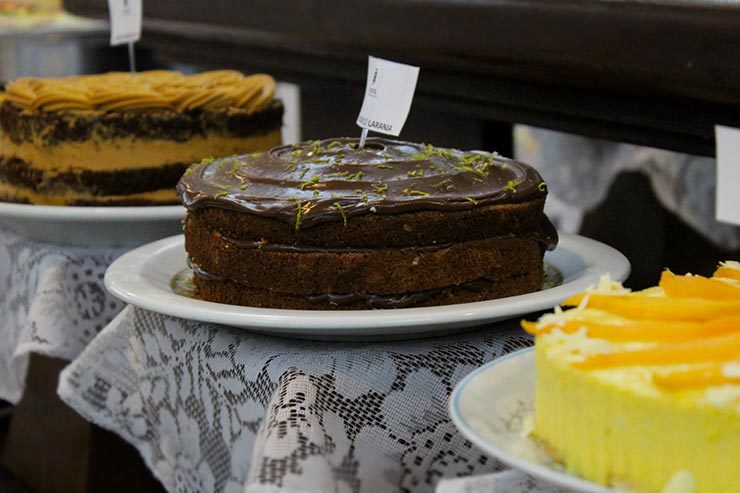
(658, 73)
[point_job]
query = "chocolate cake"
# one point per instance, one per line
(325, 225)
(125, 139)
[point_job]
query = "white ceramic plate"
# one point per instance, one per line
(93, 226)
(143, 278)
(490, 406)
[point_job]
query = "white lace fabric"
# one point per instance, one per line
(218, 409)
(52, 302)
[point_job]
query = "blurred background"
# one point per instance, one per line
(613, 102)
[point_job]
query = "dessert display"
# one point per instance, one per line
(643, 388)
(125, 139)
(326, 225)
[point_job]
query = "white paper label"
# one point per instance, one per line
(125, 21)
(388, 96)
(728, 174)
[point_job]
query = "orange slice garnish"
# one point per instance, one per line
(715, 349)
(640, 330)
(705, 376)
(634, 306)
(698, 287)
(727, 272)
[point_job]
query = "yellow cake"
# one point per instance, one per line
(643, 389)
(125, 139)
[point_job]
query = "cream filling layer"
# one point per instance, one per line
(16, 194)
(130, 153)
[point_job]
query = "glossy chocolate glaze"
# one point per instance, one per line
(332, 180)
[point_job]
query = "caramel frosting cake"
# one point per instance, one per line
(326, 225)
(125, 139)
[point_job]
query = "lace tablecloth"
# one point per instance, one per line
(52, 302)
(218, 409)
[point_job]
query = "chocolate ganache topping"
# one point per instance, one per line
(333, 180)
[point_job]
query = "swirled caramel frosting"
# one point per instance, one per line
(159, 89)
(333, 180)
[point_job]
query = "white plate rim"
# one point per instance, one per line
(125, 281)
(68, 213)
(552, 476)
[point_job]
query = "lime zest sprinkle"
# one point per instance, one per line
(309, 183)
(471, 199)
(410, 192)
(341, 211)
(380, 188)
(298, 213)
(512, 184)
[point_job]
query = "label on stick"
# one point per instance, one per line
(388, 96)
(125, 21)
(728, 174)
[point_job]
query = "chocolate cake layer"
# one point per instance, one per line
(388, 230)
(51, 128)
(325, 225)
(18, 173)
(233, 293)
(380, 270)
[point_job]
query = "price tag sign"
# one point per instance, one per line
(728, 174)
(388, 96)
(125, 21)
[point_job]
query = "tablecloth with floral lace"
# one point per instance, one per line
(219, 409)
(52, 302)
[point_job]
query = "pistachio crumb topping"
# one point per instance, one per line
(243, 186)
(207, 160)
(220, 194)
(333, 143)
